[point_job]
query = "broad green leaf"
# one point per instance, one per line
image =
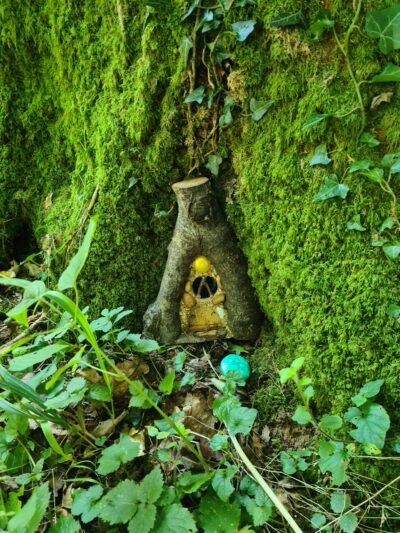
(284, 20)
(174, 519)
(219, 442)
(259, 108)
(322, 22)
(309, 392)
(179, 360)
(186, 46)
(140, 345)
(348, 522)
(331, 189)
(377, 242)
(373, 174)
(390, 159)
(215, 516)
(396, 444)
(65, 524)
(223, 405)
(259, 513)
(74, 393)
(286, 373)
(29, 517)
(393, 311)
(213, 164)
(320, 156)
(293, 461)
(340, 502)
(84, 503)
(330, 422)
(392, 249)
(288, 463)
(118, 454)
(144, 519)
(298, 363)
(19, 313)
(372, 388)
(187, 483)
(167, 383)
(355, 224)
(38, 356)
(120, 503)
(313, 120)
(243, 29)
(333, 459)
(369, 139)
(388, 223)
(389, 73)
(197, 95)
(384, 24)
(192, 7)
(302, 415)
(222, 482)
(318, 520)
(151, 486)
(363, 164)
(69, 276)
(240, 420)
(372, 424)
(218, 53)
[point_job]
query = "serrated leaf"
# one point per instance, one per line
(322, 22)
(223, 405)
(320, 156)
(393, 311)
(143, 520)
(215, 516)
(355, 224)
(318, 520)
(285, 19)
(28, 518)
(330, 423)
(288, 463)
(151, 486)
(302, 415)
(120, 503)
(340, 502)
(197, 95)
(313, 120)
(167, 383)
(175, 519)
(243, 28)
(392, 249)
(69, 276)
(369, 139)
(259, 513)
(363, 164)
(118, 454)
(259, 108)
(331, 189)
(384, 24)
(222, 482)
(333, 459)
(348, 522)
(65, 524)
(240, 420)
(84, 502)
(372, 423)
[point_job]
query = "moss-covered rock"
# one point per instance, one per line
(91, 94)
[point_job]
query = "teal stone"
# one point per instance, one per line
(234, 362)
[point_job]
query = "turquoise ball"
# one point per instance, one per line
(234, 362)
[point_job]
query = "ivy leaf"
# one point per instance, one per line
(220, 442)
(384, 24)
(370, 140)
(84, 502)
(392, 249)
(243, 29)
(197, 95)
(333, 459)
(373, 174)
(176, 519)
(355, 224)
(318, 520)
(218, 53)
(363, 164)
(192, 7)
(388, 223)
(120, 503)
(302, 415)
(117, 454)
(284, 19)
(348, 522)
(340, 502)
(213, 164)
(388, 160)
(331, 189)
(259, 108)
(143, 519)
(215, 516)
(322, 22)
(28, 518)
(393, 311)
(330, 423)
(151, 486)
(222, 482)
(186, 46)
(372, 423)
(226, 116)
(320, 156)
(314, 119)
(240, 420)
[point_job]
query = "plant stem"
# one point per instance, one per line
(266, 488)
